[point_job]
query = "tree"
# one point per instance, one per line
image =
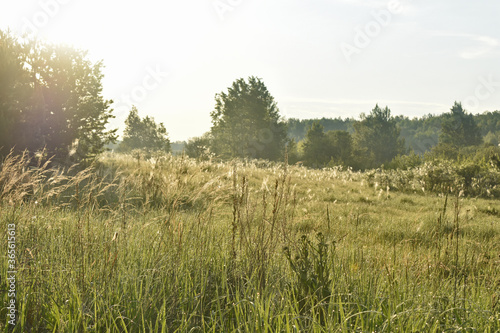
(51, 98)
(297, 128)
(15, 91)
(377, 137)
(459, 128)
(199, 147)
(341, 146)
(316, 152)
(292, 150)
(333, 147)
(246, 122)
(492, 138)
(143, 134)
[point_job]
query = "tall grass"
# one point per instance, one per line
(172, 244)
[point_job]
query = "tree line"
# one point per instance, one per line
(51, 101)
(246, 124)
(421, 134)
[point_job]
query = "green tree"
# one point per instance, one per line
(316, 148)
(143, 134)
(246, 122)
(292, 149)
(341, 146)
(15, 92)
(199, 147)
(51, 97)
(492, 138)
(377, 137)
(297, 128)
(333, 147)
(459, 128)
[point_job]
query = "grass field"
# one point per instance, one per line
(178, 245)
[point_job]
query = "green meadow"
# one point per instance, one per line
(174, 244)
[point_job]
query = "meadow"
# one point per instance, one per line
(173, 244)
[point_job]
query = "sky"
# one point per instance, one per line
(318, 58)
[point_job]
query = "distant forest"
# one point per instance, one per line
(420, 134)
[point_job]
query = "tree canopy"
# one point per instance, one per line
(322, 148)
(315, 146)
(377, 136)
(459, 128)
(144, 134)
(51, 98)
(199, 147)
(246, 122)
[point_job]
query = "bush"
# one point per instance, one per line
(468, 177)
(405, 162)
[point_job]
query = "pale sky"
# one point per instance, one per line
(318, 58)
